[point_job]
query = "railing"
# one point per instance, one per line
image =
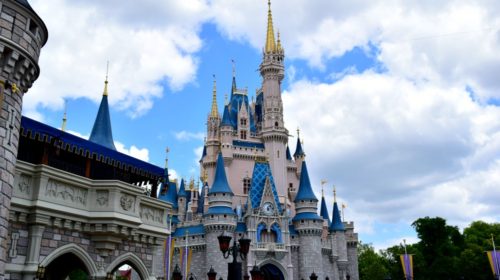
(270, 246)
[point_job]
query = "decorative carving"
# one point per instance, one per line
(13, 245)
(151, 214)
(24, 184)
(127, 202)
(102, 198)
(66, 192)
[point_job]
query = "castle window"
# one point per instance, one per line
(246, 185)
(276, 124)
(243, 121)
(243, 134)
(290, 186)
(278, 154)
(33, 27)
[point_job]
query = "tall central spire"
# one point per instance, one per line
(215, 112)
(270, 42)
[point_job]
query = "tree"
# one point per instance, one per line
(371, 265)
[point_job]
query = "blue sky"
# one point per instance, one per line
(397, 104)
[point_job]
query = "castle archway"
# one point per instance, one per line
(133, 261)
(271, 272)
(68, 260)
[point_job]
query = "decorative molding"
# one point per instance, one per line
(13, 245)
(151, 214)
(127, 202)
(66, 192)
(24, 184)
(102, 198)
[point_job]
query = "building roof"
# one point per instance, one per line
(336, 224)
(201, 199)
(246, 144)
(324, 210)
(241, 227)
(171, 194)
(305, 191)
(71, 143)
(292, 230)
(182, 190)
(190, 230)
(288, 155)
(261, 171)
(101, 131)
(226, 118)
(220, 184)
(298, 149)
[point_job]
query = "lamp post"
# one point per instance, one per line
(211, 274)
(256, 273)
(241, 249)
(40, 272)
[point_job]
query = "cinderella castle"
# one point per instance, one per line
(73, 205)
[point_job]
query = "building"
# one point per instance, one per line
(72, 205)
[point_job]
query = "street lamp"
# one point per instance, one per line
(241, 249)
(192, 276)
(40, 272)
(255, 272)
(211, 273)
(176, 274)
(313, 276)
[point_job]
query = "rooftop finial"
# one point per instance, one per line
(334, 194)
(167, 150)
(215, 112)
(225, 99)
(233, 63)
(105, 93)
(298, 132)
(322, 189)
(278, 46)
(270, 42)
(63, 127)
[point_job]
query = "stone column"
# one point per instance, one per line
(33, 255)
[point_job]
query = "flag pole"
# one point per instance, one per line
(186, 256)
(169, 242)
(494, 258)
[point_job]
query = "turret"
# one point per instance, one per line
(101, 131)
(309, 226)
(299, 154)
(338, 238)
(272, 125)
(22, 35)
(323, 212)
(212, 144)
(182, 200)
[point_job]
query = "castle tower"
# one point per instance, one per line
(101, 131)
(274, 133)
(299, 154)
(22, 35)
(309, 226)
(182, 200)
(219, 219)
(338, 239)
(213, 135)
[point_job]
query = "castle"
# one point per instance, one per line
(74, 205)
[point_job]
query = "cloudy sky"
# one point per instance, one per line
(398, 101)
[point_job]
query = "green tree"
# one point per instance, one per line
(371, 265)
(440, 246)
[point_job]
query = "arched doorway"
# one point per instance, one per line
(67, 266)
(271, 272)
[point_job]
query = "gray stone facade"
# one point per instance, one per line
(22, 35)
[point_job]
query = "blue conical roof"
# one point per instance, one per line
(323, 212)
(204, 153)
(226, 117)
(171, 195)
(201, 199)
(288, 155)
(220, 184)
(305, 189)
(298, 150)
(336, 224)
(101, 132)
(182, 190)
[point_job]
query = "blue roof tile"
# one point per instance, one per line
(217, 210)
(324, 210)
(201, 199)
(241, 227)
(305, 190)
(306, 216)
(336, 224)
(191, 230)
(226, 118)
(170, 196)
(101, 131)
(298, 149)
(182, 190)
(261, 171)
(288, 155)
(220, 184)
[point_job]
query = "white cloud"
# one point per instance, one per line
(187, 136)
(133, 151)
(399, 150)
(147, 48)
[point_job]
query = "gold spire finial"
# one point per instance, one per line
(63, 127)
(298, 132)
(278, 47)
(233, 63)
(204, 176)
(105, 93)
(167, 150)
(322, 190)
(225, 99)
(270, 42)
(215, 112)
(334, 194)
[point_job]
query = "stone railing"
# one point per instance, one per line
(103, 203)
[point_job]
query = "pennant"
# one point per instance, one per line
(407, 263)
(169, 252)
(494, 258)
